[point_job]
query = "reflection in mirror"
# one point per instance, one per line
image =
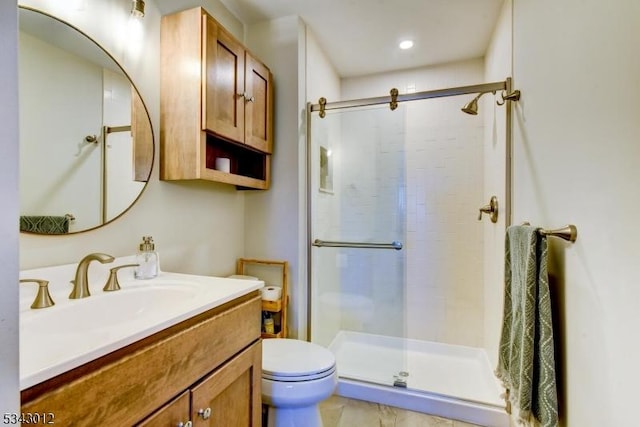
(86, 144)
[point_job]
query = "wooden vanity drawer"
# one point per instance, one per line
(123, 387)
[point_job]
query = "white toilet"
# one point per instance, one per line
(296, 377)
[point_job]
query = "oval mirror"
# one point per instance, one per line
(86, 142)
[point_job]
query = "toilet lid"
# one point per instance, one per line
(282, 357)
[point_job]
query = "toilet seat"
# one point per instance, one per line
(290, 360)
(299, 378)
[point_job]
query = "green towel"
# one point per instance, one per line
(44, 224)
(526, 362)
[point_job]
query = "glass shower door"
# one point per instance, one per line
(358, 203)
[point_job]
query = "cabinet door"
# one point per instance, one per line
(231, 396)
(223, 86)
(170, 415)
(258, 105)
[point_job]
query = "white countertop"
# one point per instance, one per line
(56, 339)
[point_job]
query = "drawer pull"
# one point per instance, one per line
(205, 413)
(187, 424)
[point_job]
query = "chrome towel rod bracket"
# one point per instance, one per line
(568, 232)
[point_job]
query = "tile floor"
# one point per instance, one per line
(342, 412)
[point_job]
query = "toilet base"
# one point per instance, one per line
(305, 416)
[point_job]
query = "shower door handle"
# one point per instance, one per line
(364, 245)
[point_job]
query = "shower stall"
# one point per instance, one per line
(396, 249)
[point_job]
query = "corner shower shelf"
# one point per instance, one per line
(263, 269)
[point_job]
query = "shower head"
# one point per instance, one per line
(472, 107)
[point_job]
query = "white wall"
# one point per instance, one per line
(198, 227)
(9, 382)
(275, 220)
(425, 78)
(322, 80)
(576, 154)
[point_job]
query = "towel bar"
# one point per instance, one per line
(568, 232)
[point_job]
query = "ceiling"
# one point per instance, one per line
(361, 36)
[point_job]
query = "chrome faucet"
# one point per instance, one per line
(81, 282)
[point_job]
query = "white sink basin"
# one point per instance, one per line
(73, 332)
(106, 310)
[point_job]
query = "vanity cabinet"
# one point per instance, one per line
(216, 102)
(223, 398)
(206, 370)
(228, 393)
(172, 414)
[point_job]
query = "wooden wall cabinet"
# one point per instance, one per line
(213, 360)
(216, 101)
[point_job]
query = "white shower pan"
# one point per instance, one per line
(445, 380)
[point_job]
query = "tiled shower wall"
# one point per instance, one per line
(444, 179)
(415, 175)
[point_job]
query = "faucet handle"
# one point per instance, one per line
(112, 282)
(43, 298)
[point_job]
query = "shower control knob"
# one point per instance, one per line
(491, 209)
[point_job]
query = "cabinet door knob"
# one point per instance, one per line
(246, 97)
(205, 413)
(187, 424)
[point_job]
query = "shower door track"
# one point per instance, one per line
(438, 93)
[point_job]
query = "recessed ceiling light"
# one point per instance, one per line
(406, 44)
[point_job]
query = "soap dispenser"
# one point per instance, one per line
(147, 260)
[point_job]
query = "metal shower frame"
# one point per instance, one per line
(508, 95)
